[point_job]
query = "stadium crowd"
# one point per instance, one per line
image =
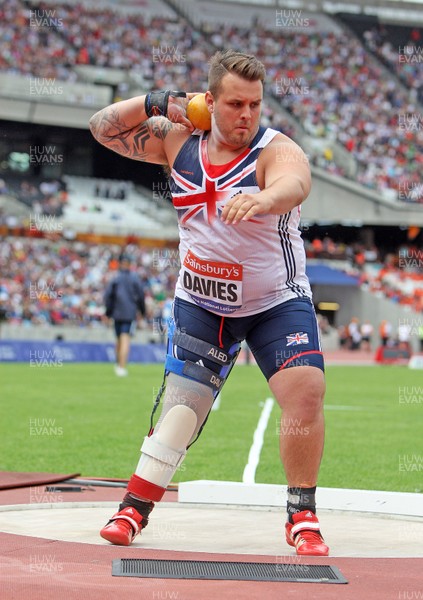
(397, 276)
(359, 336)
(340, 94)
(63, 282)
(356, 254)
(326, 80)
(405, 60)
(58, 282)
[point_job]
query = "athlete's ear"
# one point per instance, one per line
(209, 98)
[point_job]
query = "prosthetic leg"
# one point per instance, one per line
(189, 392)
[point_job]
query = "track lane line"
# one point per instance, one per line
(258, 438)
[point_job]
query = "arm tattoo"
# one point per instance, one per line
(107, 124)
(141, 137)
(160, 127)
(109, 130)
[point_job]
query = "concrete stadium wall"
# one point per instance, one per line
(360, 303)
(336, 200)
(71, 334)
(354, 302)
(347, 297)
(378, 308)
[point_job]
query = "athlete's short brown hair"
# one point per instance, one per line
(246, 66)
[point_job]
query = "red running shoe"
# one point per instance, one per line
(122, 527)
(305, 535)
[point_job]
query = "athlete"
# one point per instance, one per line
(124, 298)
(238, 190)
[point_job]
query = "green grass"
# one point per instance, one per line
(96, 422)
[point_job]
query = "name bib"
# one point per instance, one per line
(216, 286)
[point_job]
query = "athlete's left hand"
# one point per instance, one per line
(244, 207)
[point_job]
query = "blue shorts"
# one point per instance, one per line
(284, 336)
(123, 327)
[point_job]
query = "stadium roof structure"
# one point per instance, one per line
(396, 11)
(325, 275)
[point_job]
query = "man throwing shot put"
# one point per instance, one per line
(238, 190)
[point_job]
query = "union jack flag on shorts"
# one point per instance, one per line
(295, 339)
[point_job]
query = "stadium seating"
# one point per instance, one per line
(57, 282)
(62, 283)
(113, 206)
(317, 71)
(322, 83)
(399, 48)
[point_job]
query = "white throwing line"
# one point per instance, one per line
(216, 403)
(254, 455)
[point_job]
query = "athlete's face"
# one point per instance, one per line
(236, 110)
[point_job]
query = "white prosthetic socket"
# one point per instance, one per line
(186, 405)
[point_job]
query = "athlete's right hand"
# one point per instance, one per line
(177, 110)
